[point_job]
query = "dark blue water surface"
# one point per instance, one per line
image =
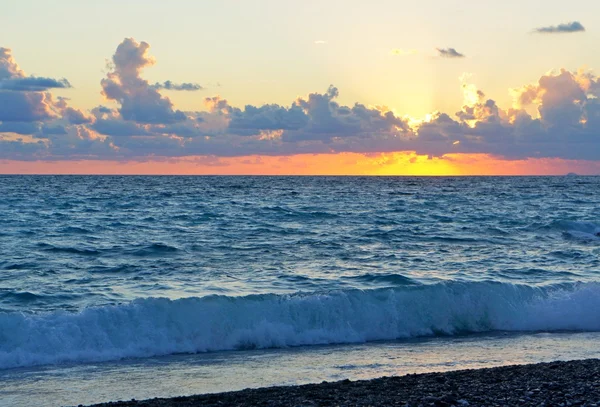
(93, 244)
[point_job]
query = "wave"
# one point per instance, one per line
(568, 225)
(382, 279)
(159, 326)
(579, 230)
(70, 250)
(75, 230)
(154, 249)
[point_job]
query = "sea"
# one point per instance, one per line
(122, 287)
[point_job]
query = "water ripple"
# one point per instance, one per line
(71, 242)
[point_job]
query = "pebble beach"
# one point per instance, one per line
(573, 383)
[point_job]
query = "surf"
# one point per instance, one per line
(160, 326)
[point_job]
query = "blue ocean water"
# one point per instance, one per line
(99, 268)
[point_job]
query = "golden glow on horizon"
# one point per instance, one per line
(270, 134)
(389, 164)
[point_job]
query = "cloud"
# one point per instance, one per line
(24, 98)
(13, 78)
(35, 125)
(138, 101)
(572, 27)
(29, 114)
(9, 69)
(328, 122)
(567, 124)
(26, 106)
(75, 116)
(33, 84)
(24, 128)
(168, 85)
(449, 53)
(320, 42)
(558, 116)
(119, 128)
(266, 117)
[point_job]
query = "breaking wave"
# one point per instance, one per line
(159, 326)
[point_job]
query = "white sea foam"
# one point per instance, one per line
(159, 326)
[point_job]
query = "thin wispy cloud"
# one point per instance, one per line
(449, 53)
(572, 27)
(33, 83)
(397, 52)
(169, 85)
(320, 42)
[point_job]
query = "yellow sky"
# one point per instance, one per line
(383, 54)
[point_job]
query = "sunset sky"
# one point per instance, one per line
(425, 87)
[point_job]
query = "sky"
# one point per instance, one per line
(425, 87)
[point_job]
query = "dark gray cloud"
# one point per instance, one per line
(75, 116)
(449, 53)
(266, 117)
(33, 83)
(23, 128)
(119, 128)
(53, 129)
(168, 85)
(327, 120)
(24, 99)
(25, 106)
(13, 78)
(19, 150)
(572, 27)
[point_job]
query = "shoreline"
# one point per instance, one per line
(572, 383)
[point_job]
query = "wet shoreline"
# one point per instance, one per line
(574, 383)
